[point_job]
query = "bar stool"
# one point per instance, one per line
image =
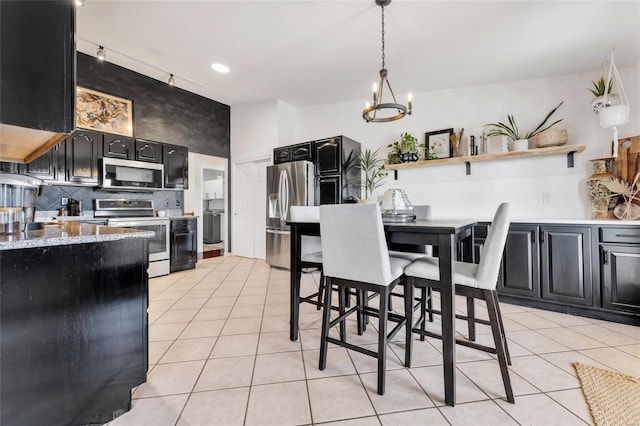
(355, 255)
(311, 248)
(471, 280)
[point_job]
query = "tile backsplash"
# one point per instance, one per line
(51, 195)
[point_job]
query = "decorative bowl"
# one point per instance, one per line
(551, 137)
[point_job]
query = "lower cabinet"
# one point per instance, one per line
(520, 271)
(566, 273)
(184, 244)
(586, 269)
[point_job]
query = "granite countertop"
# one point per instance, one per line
(68, 233)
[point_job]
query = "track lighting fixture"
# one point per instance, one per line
(101, 54)
(171, 81)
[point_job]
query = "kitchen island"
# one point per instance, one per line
(73, 323)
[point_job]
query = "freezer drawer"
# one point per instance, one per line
(278, 243)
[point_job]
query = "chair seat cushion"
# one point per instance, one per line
(312, 257)
(406, 255)
(429, 268)
(398, 266)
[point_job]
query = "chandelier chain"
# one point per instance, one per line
(383, 37)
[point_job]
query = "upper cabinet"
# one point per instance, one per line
(82, 157)
(176, 166)
(116, 146)
(37, 64)
(148, 151)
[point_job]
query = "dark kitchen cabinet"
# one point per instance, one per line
(520, 270)
(620, 268)
(148, 151)
(37, 64)
(49, 166)
(82, 157)
(281, 155)
(302, 151)
(337, 163)
(116, 146)
(566, 264)
(176, 166)
(328, 156)
(184, 249)
(329, 189)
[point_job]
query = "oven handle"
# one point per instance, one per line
(133, 224)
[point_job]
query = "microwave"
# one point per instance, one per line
(129, 175)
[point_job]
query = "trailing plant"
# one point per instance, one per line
(374, 172)
(511, 130)
(408, 144)
(600, 86)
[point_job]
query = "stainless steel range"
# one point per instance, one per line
(139, 214)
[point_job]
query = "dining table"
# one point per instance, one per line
(453, 239)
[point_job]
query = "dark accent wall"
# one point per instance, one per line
(161, 112)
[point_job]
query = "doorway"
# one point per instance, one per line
(213, 213)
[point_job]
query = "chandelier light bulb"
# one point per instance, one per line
(101, 54)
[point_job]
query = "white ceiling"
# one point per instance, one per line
(309, 52)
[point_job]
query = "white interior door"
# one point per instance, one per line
(249, 213)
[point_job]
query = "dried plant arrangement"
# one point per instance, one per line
(629, 191)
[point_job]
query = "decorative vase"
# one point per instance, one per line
(602, 200)
(519, 145)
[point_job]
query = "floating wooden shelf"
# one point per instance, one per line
(553, 150)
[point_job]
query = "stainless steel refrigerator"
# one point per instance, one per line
(288, 184)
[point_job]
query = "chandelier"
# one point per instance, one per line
(390, 111)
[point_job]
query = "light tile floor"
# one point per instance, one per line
(220, 354)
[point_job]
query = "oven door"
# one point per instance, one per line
(159, 244)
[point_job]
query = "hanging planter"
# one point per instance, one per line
(613, 110)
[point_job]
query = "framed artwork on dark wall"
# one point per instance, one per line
(103, 112)
(439, 143)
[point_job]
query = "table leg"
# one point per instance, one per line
(294, 277)
(447, 252)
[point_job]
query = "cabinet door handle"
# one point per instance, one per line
(542, 237)
(627, 235)
(533, 236)
(605, 257)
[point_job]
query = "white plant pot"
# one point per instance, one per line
(519, 145)
(613, 116)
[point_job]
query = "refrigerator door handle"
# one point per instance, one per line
(285, 196)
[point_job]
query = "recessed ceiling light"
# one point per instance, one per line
(220, 68)
(79, 2)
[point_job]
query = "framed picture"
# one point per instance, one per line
(439, 143)
(102, 112)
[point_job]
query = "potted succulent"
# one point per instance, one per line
(374, 172)
(404, 150)
(600, 88)
(520, 140)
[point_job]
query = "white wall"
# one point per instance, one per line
(520, 181)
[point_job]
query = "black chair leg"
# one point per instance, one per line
(382, 339)
(497, 338)
(471, 315)
(424, 304)
(429, 303)
(408, 313)
(326, 320)
(342, 296)
(360, 315)
(502, 331)
(320, 290)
